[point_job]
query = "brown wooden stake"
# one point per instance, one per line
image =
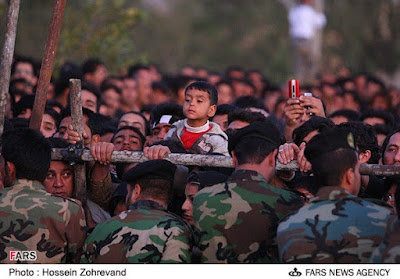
(7, 57)
(77, 123)
(46, 69)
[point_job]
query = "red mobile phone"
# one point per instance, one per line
(294, 90)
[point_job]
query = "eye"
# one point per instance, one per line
(199, 101)
(49, 175)
(187, 100)
(155, 133)
(134, 142)
(67, 174)
(118, 141)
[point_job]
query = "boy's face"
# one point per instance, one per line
(197, 107)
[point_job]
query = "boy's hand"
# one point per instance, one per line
(293, 112)
(156, 152)
(102, 151)
(73, 136)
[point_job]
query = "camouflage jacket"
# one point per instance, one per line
(389, 250)
(335, 227)
(146, 233)
(236, 221)
(33, 220)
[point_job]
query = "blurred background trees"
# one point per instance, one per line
(363, 35)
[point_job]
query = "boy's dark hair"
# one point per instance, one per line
(365, 139)
(93, 122)
(351, 115)
(245, 115)
(205, 87)
(328, 172)
(315, 123)
(136, 130)
(29, 151)
(379, 113)
(90, 65)
(248, 102)
(226, 109)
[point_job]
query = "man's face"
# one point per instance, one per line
(48, 126)
(60, 179)
(134, 120)
(89, 100)
(65, 122)
(222, 121)
(129, 93)
(25, 71)
(127, 140)
(391, 156)
(112, 99)
(160, 130)
(99, 75)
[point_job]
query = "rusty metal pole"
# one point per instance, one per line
(77, 123)
(46, 69)
(7, 57)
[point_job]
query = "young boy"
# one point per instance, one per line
(195, 133)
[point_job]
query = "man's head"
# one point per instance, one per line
(60, 176)
(24, 67)
(162, 118)
(49, 122)
(135, 119)
(94, 71)
(256, 145)
(241, 118)
(315, 124)
(344, 115)
(221, 116)
(151, 180)
(377, 116)
(200, 102)
(128, 138)
(391, 149)
(27, 154)
(325, 151)
(90, 96)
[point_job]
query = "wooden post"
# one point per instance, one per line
(77, 123)
(46, 69)
(7, 57)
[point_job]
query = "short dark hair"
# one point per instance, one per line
(146, 123)
(379, 113)
(134, 129)
(249, 101)
(86, 85)
(206, 87)
(160, 189)
(351, 115)
(252, 150)
(225, 109)
(29, 151)
(108, 86)
(365, 138)
(93, 122)
(245, 115)
(328, 172)
(315, 123)
(90, 65)
(132, 70)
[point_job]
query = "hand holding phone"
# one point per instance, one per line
(294, 89)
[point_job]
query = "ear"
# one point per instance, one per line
(234, 159)
(363, 157)
(136, 191)
(272, 158)
(212, 110)
(12, 172)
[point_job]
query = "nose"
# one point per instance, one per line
(397, 156)
(58, 182)
(185, 205)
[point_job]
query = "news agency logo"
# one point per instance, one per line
(23, 256)
(295, 273)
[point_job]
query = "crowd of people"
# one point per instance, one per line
(325, 211)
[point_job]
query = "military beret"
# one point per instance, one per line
(153, 169)
(206, 178)
(264, 130)
(329, 141)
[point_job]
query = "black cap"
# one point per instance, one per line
(154, 169)
(264, 130)
(206, 178)
(327, 142)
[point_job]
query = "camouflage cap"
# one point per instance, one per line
(264, 130)
(156, 169)
(329, 141)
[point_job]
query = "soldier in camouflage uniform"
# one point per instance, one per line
(147, 232)
(236, 221)
(51, 227)
(336, 226)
